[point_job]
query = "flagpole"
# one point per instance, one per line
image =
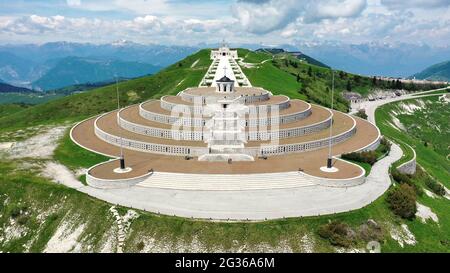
(122, 159)
(329, 160)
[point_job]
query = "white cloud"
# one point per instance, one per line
(141, 6)
(245, 21)
(335, 9)
(425, 4)
(142, 28)
(73, 3)
(265, 16)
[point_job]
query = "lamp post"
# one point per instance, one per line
(329, 160)
(121, 158)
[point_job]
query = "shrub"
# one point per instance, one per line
(366, 157)
(402, 178)
(384, 147)
(402, 201)
(337, 233)
(23, 219)
(140, 246)
(371, 231)
(16, 210)
(361, 113)
(435, 186)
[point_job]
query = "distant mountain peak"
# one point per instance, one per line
(123, 42)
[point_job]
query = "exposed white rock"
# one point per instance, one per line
(110, 242)
(65, 239)
(444, 98)
(39, 146)
(430, 194)
(123, 225)
(307, 244)
(349, 250)
(13, 231)
(61, 174)
(447, 193)
(403, 235)
(398, 123)
(424, 213)
(6, 145)
(410, 108)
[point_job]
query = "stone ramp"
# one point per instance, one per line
(218, 182)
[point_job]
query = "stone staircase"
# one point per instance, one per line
(222, 182)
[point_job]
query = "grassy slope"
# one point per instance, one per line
(32, 98)
(39, 195)
(8, 109)
(36, 196)
(71, 155)
(79, 106)
(278, 73)
(429, 156)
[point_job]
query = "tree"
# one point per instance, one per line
(349, 86)
(398, 85)
(310, 71)
(402, 201)
(298, 77)
(374, 81)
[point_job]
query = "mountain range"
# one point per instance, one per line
(27, 65)
(375, 59)
(78, 70)
(437, 72)
(7, 88)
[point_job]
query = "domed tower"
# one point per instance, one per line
(225, 85)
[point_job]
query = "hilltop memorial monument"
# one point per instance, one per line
(225, 128)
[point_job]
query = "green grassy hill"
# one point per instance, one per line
(427, 131)
(437, 72)
(8, 109)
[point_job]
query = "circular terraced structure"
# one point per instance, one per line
(168, 136)
(228, 150)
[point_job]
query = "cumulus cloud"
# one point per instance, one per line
(400, 4)
(334, 9)
(145, 27)
(245, 21)
(73, 3)
(268, 15)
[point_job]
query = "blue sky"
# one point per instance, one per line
(239, 21)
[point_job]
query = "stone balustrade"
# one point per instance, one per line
(199, 135)
(197, 151)
(201, 121)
